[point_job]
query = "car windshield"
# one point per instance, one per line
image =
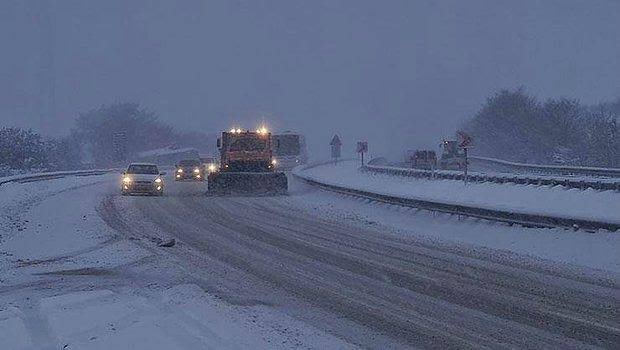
(188, 163)
(142, 169)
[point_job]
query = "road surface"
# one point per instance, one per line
(369, 288)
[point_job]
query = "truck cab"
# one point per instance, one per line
(452, 156)
(246, 151)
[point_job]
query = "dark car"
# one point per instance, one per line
(189, 169)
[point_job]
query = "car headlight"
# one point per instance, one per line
(127, 180)
(212, 168)
(196, 171)
(158, 180)
(274, 161)
(179, 170)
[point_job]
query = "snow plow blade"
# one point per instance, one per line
(247, 184)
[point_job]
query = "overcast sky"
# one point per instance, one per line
(400, 73)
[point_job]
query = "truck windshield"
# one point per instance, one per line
(189, 162)
(142, 169)
(248, 144)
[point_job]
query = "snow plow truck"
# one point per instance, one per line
(247, 165)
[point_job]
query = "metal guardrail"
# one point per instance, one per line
(512, 218)
(53, 175)
(548, 169)
(541, 180)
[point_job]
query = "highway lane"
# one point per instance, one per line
(368, 287)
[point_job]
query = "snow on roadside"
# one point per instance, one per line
(600, 250)
(556, 201)
(180, 317)
(54, 224)
(31, 176)
(75, 227)
(17, 199)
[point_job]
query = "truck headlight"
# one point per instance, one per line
(212, 168)
(274, 161)
(127, 180)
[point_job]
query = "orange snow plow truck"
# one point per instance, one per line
(247, 165)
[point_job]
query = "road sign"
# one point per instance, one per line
(336, 146)
(464, 139)
(362, 147)
(335, 141)
(119, 144)
(465, 142)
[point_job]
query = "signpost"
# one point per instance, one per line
(465, 142)
(119, 144)
(362, 147)
(336, 146)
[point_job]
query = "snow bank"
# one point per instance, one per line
(51, 175)
(166, 151)
(599, 250)
(576, 170)
(529, 199)
(181, 317)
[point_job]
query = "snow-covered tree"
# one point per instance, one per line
(21, 149)
(507, 127)
(96, 130)
(64, 153)
(514, 126)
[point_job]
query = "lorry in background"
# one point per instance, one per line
(421, 159)
(247, 165)
(289, 150)
(452, 156)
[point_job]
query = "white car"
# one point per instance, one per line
(142, 178)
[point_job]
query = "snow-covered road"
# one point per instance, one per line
(70, 281)
(81, 268)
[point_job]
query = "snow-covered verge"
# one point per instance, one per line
(600, 250)
(569, 181)
(69, 281)
(181, 317)
(528, 199)
(51, 175)
(554, 169)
